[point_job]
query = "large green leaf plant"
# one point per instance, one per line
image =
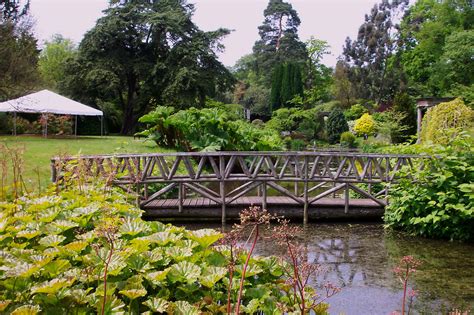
(438, 200)
(207, 129)
(89, 251)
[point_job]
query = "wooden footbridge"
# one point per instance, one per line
(220, 184)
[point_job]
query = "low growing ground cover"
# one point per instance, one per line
(86, 250)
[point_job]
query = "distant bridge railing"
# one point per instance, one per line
(311, 175)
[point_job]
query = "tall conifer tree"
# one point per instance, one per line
(279, 41)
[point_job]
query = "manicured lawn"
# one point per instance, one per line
(38, 151)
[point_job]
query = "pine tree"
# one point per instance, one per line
(370, 54)
(279, 41)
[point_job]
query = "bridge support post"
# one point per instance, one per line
(346, 198)
(296, 183)
(180, 197)
(306, 205)
(305, 192)
(222, 186)
(264, 195)
(54, 173)
(137, 191)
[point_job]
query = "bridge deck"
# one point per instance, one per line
(204, 208)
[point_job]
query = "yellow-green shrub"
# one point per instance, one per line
(348, 139)
(440, 121)
(365, 125)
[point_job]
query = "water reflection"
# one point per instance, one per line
(360, 259)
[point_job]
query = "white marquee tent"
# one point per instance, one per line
(47, 102)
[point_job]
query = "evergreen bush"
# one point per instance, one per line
(348, 139)
(336, 124)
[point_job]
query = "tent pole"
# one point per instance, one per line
(14, 123)
(75, 126)
(46, 130)
(101, 126)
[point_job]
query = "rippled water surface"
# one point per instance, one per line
(360, 259)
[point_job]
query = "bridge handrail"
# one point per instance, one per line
(243, 154)
(315, 170)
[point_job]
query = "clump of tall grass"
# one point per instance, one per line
(11, 172)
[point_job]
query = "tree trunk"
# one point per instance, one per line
(129, 121)
(280, 32)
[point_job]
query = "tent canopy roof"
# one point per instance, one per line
(48, 102)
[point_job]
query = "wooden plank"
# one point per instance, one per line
(157, 203)
(217, 172)
(160, 192)
(230, 166)
(284, 191)
(327, 192)
(243, 165)
(200, 167)
(284, 167)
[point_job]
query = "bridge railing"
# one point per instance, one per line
(312, 175)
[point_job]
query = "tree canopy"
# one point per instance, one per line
(369, 55)
(18, 51)
(279, 41)
(145, 53)
(13, 9)
(53, 59)
(434, 32)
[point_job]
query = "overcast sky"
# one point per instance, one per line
(330, 20)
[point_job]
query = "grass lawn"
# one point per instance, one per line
(38, 151)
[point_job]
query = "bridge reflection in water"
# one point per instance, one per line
(220, 184)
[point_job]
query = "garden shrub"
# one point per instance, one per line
(5, 125)
(404, 106)
(207, 129)
(355, 112)
(440, 119)
(308, 123)
(336, 124)
(297, 145)
(22, 125)
(390, 126)
(57, 124)
(59, 250)
(438, 201)
(328, 106)
(348, 139)
(365, 125)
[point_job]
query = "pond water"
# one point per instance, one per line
(360, 258)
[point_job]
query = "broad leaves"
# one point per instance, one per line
(65, 252)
